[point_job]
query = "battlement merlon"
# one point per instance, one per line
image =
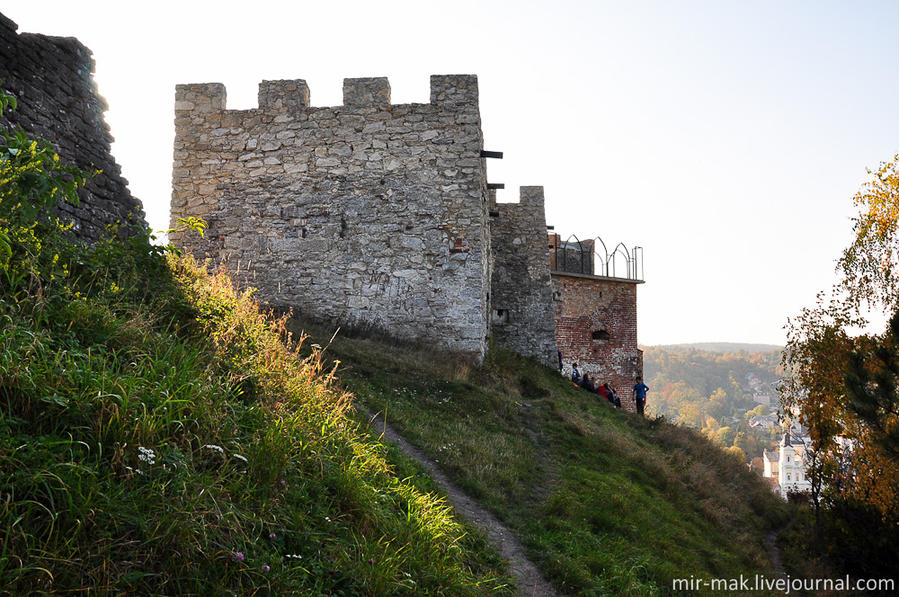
(529, 198)
(532, 197)
(453, 92)
(200, 97)
(454, 89)
(283, 95)
(367, 91)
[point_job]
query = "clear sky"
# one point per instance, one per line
(724, 137)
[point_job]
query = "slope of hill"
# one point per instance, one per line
(605, 502)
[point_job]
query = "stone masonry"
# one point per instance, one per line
(379, 215)
(370, 214)
(58, 101)
(521, 300)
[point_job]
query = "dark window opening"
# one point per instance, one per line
(600, 335)
(500, 316)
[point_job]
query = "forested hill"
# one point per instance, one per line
(723, 347)
(718, 391)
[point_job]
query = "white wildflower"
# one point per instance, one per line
(146, 455)
(239, 457)
(218, 449)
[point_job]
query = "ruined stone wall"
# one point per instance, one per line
(521, 295)
(58, 101)
(596, 327)
(368, 213)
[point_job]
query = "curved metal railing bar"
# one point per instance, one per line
(603, 259)
(565, 249)
(592, 257)
(620, 250)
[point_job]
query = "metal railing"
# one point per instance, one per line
(592, 257)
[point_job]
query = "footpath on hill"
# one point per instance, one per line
(527, 576)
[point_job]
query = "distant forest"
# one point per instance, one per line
(719, 388)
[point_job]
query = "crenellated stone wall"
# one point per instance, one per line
(521, 295)
(379, 215)
(58, 101)
(370, 213)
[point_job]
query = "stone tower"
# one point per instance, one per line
(371, 214)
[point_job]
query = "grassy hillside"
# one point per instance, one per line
(606, 502)
(158, 435)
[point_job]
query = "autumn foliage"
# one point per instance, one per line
(843, 384)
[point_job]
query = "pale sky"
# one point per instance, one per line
(726, 138)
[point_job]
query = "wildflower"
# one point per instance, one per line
(239, 556)
(218, 449)
(265, 568)
(272, 536)
(146, 455)
(239, 457)
(371, 560)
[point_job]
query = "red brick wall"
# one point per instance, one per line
(584, 305)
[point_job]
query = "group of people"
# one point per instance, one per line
(607, 392)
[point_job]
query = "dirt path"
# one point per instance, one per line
(774, 552)
(527, 577)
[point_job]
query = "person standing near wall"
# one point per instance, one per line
(640, 390)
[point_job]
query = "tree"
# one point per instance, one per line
(758, 465)
(871, 263)
(872, 383)
(844, 387)
(746, 442)
(726, 435)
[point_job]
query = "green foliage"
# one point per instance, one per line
(32, 181)
(871, 383)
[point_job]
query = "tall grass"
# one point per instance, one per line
(166, 437)
(605, 501)
(159, 434)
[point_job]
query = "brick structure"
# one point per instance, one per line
(596, 322)
(58, 101)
